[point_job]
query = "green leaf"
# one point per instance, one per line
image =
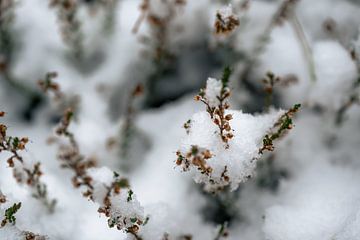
(11, 211)
(226, 75)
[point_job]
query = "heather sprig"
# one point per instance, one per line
(10, 214)
(70, 25)
(71, 158)
(21, 172)
(215, 97)
(281, 127)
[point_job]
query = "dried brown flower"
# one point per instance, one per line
(226, 22)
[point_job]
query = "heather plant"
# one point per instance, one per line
(70, 25)
(284, 13)
(24, 171)
(116, 147)
(113, 194)
(215, 151)
(159, 43)
(128, 129)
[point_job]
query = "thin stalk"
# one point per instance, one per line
(299, 31)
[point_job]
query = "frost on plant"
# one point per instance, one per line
(97, 113)
(113, 194)
(117, 201)
(222, 146)
(226, 21)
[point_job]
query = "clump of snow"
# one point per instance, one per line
(122, 207)
(226, 13)
(126, 210)
(238, 161)
(102, 178)
(212, 91)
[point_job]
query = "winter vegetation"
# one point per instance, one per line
(179, 119)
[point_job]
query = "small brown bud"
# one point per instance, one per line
(197, 98)
(229, 135)
(178, 161)
(227, 127)
(226, 94)
(139, 89)
(10, 162)
(207, 154)
(228, 117)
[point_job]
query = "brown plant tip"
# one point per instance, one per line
(197, 157)
(2, 198)
(62, 128)
(187, 126)
(226, 22)
(2, 114)
(138, 90)
(271, 80)
(224, 175)
(48, 85)
(218, 113)
(33, 236)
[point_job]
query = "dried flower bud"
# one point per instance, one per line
(138, 90)
(226, 21)
(207, 154)
(228, 117)
(197, 98)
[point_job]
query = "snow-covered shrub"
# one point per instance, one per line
(120, 76)
(113, 194)
(222, 146)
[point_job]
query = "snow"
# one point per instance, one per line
(315, 208)
(316, 198)
(226, 13)
(240, 158)
(336, 74)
